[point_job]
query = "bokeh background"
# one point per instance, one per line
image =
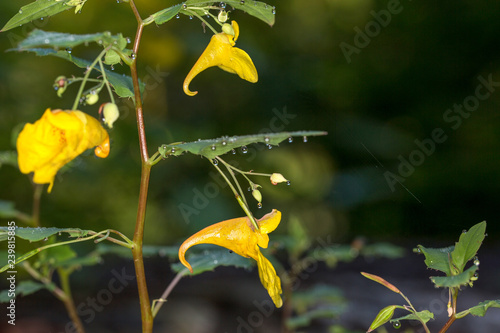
(378, 89)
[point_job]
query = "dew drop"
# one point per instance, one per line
(128, 40)
(215, 161)
(224, 142)
(69, 50)
(476, 275)
(290, 139)
(244, 149)
(464, 231)
(288, 183)
(172, 151)
(117, 1)
(112, 67)
(20, 11)
(259, 205)
(190, 17)
(233, 151)
(41, 18)
(274, 10)
(304, 138)
(266, 139)
(45, 239)
(419, 250)
(46, 41)
(476, 261)
(184, 6)
(269, 146)
(177, 16)
(396, 324)
(213, 147)
(133, 55)
(99, 42)
(222, 5)
(249, 189)
(242, 2)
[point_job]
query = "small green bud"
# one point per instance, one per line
(110, 114)
(222, 17)
(91, 98)
(60, 85)
(228, 29)
(278, 178)
(257, 195)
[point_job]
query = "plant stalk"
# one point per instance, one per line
(146, 314)
(68, 300)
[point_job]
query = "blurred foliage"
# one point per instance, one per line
(395, 91)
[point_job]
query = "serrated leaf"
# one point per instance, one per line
(468, 245)
(481, 308)
(382, 317)
(166, 14)
(438, 259)
(214, 147)
(34, 11)
(58, 40)
(208, 260)
(122, 84)
(23, 288)
(455, 280)
(37, 234)
(424, 315)
(257, 9)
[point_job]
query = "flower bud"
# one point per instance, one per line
(110, 114)
(222, 17)
(60, 85)
(228, 29)
(92, 98)
(257, 195)
(278, 178)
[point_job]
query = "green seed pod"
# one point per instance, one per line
(110, 114)
(60, 85)
(91, 99)
(257, 195)
(228, 29)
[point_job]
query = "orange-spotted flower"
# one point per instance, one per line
(221, 52)
(239, 236)
(57, 138)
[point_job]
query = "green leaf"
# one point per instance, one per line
(305, 319)
(318, 294)
(481, 308)
(166, 14)
(8, 157)
(214, 147)
(170, 252)
(122, 84)
(36, 10)
(383, 317)
(57, 40)
(424, 315)
(334, 254)
(23, 288)
(7, 210)
(257, 9)
(438, 259)
(384, 250)
(209, 259)
(37, 234)
(455, 280)
(55, 256)
(468, 245)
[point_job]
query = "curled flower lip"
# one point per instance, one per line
(222, 53)
(45, 146)
(239, 236)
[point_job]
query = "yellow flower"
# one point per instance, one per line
(239, 236)
(55, 139)
(221, 52)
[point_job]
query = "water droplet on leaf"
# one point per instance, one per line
(128, 40)
(184, 6)
(177, 16)
(288, 183)
(274, 10)
(304, 138)
(133, 55)
(396, 324)
(20, 11)
(222, 5)
(215, 161)
(244, 149)
(242, 2)
(476, 261)
(213, 147)
(233, 151)
(69, 50)
(172, 151)
(259, 205)
(290, 140)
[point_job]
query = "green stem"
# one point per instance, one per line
(146, 314)
(202, 20)
(415, 312)
(453, 317)
(159, 303)
(85, 78)
(68, 301)
(37, 195)
(105, 79)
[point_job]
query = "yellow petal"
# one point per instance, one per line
(54, 140)
(235, 235)
(222, 53)
(270, 279)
